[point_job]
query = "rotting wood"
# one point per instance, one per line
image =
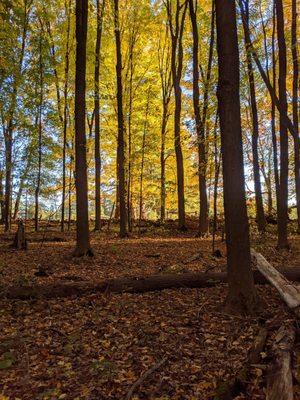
(131, 285)
(258, 346)
(288, 292)
(279, 379)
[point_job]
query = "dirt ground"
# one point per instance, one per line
(97, 346)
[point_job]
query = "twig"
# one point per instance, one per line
(143, 377)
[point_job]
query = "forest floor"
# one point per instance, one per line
(97, 346)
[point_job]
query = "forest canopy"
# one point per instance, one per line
(37, 105)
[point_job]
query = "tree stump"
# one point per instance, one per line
(20, 241)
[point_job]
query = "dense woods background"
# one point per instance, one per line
(37, 108)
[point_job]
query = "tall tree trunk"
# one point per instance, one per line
(163, 166)
(100, 11)
(70, 189)
(2, 206)
(269, 183)
(18, 197)
(121, 127)
(83, 235)
(8, 131)
(8, 175)
(65, 116)
(21, 186)
(199, 123)
(26, 205)
(176, 33)
(129, 172)
(141, 197)
(40, 129)
(204, 209)
(165, 117)
(284, 159)
(242, 296)
(268, 175)
(217, 160)
(260, 215)
(296, 107)
(273, 111)
(166, 90)
(129, 165)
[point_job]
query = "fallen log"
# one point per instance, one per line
(288, 292)
(280, 379)
(131, 285)
(258, 346)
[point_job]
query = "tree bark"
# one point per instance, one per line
(280, 378)
(21, 185)
(141, 199)
(132, 40)
(273, 111)
(166, 90)
(217, 160)
(200, 122)
(176, 33)
(40, 132)
(260, 215)
(163, 167)
(242, 296)
(100, 13)
(8, 131)
(71, 172)
(295, 106)
(132, 285)
(121, 127)
(65, 116)
(82, 233)
(2, 205)
(204, 130)
(284, 159)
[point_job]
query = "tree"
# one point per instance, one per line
(145, 131)
(166, 91)
(282, 207)
(260, 215)
(176, 26)
(100, 12)
(242, 296)
(9, 126)
(200, 120)
(273, 109)
(65, 113)
(40, 132)
(121, 128)
(295, 106)
(82, 236)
